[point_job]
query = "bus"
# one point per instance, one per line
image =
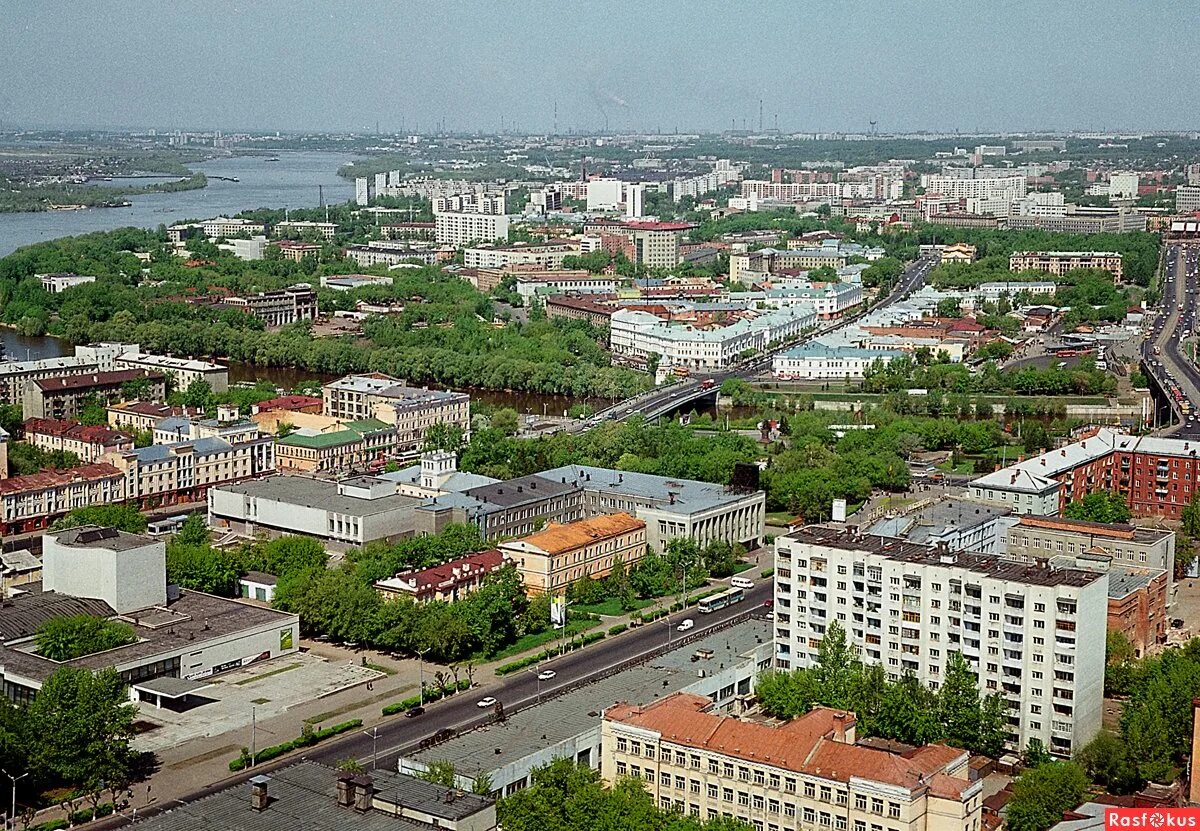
(720, 601)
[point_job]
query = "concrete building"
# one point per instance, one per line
(15, 376)
(816, 362)
(1034, 634)
(512, 508)
(182, 371)
(1059, 263)
(349, 282)
(605, 194)
(180, 635)
(1006, 188)
(353, 446)
(805, 773)
(411, 410)
(671, 508)
(653, 244)
(376, 254)
(449, 582)
(1187, 199)
(144, 416)
(279, 308)
(462, 229)
(349, 513)
(296, 251)
(66, 396)
(33, 502)
(294, 228)
(548, 255)
(956, 524)
(1122, 185)
(58, 283)
(436, 474)
(1078, 221)
(89, 443)
(1124, 546)
(552, 559)
(1156, 476)
(310, 796)
(532, 284)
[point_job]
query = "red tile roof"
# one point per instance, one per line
(69, 428)
(95, 379)
(289, 402)
(46, 479)
(464, 569)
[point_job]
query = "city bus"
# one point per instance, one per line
(720, 601)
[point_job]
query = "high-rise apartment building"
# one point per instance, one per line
(1033, 633)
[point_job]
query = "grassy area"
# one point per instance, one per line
(963, 467)
(542, 639)
(740, 567)
(612, 607)
(779, 517)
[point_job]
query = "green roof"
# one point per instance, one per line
(367, 425)
(321, 440)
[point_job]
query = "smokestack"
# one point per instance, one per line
(258, 793)
(364, 793)
(345, 790)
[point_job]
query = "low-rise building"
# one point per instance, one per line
(390, 255)
(171, 474)
(548, 255)
(958, 252)
(512, 508)
(808, 772)
(15, 376)
(143, 416)
(33, 502)
(278, 308)
(1137, 606)
(182, 371)
(66, 396)
(349, 282)
(552, 559)
(412, 410)
(87, 442)
(957, 524)
(671, 508)
(297, 251)
(290, 403)
(325, 230)
(349, 513)
(531, 283)
(449, 582)
(1059, 263)
(818, 362)
(60, 282)
(355, 446)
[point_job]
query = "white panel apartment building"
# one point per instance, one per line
(1035, 634)
(1008, 188)
(460, 229)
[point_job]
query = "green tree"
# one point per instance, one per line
(1190, 517)
(1043, 793)
(123, 517)
(199, 393)
(448, 437)
(1102, 506)
(440, 772)
(993, 726)
(836, 667)
(64, 638)
(506, 421)
(908, 713)
(948, 307)
(194, 531)
(482, 784)
(92, 413)
(1106, 760)
(958, 703)
(1035, 754)
(139, 389)
(1120, 663)
(83, 722)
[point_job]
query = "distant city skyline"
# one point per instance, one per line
(618, 66)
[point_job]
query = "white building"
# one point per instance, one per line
(1008, 188)
(58, 283)
(545, 255)
(1034, 634)
(605, 194)
(1187, 199)
(460, 229)
(817, 362)
(1122, 185)
(325, 230)
(635, 201)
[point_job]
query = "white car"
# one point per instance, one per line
(685, 625)
(546, 675)
(486, 702)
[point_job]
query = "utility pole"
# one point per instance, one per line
(253, 733)
(374, 734)
(421, 673)
(15, 779)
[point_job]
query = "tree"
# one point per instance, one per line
(1035, 754)
(140, 389)
(199, 393)
(908, 713)
(786, 695)
(506, 421)
(948, 307)
(1190, 517)
(440, 772)
(64, 638)
(83, 722)
(993, 726)
(1101, 506)
(1120, 663)
(1107, 761)
(92, 413)
(958, 703)
(836, 667)
(194, 531)
(447, 437)
(482, 784)
(1043, 793)
(123, 517)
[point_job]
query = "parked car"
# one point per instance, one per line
(414, 712)
(546, 675)
(486, 702)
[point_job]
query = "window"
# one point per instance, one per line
(727, 794)
(789, 785)
(826, 793)
(810, 790)
(743, 798)
(680, 783)
(622, 769)
(680, 759)
(622, 745)
(810, 816)
(877, 806)
(635, 748)
(894, 810)
(694, 786)
(714, 766)
(744, 774)
(664, 779)
(712, 791)
(860, 802)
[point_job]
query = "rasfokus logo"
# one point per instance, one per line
(1152, 818)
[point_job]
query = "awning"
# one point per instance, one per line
(168, 687)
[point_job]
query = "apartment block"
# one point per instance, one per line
(66, 396)
(551, 559)
(15, 376)
(89, 443)
(653, 244)
(803, 774)
(543, 255)
(1033, 632)
(279, 308)
(449, 582)
(181, 371)
(411, 410)
(33, 502)
(460, 229)
(1059, 263)
(355, 445)
(288, 228)
(1124, 546)
(170, 474)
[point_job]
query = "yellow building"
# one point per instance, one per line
(552, 559)
(958, 252)
(805, 774)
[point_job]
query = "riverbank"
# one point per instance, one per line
(78, 197)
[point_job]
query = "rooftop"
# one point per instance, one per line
(1128, 533)
(316, 493)
(94, 379)
(559, 539)
(457, 481)
(445, 574)
(689, 495)
(69, 428)
(93, 536)
(45, 479)
(1033, 574)
(513, 492)
(163, 452)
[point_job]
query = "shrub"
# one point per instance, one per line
(308, 737)
(767, 573)
(618, 629)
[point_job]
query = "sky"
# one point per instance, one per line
(665, 65)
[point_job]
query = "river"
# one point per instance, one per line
(291, 182)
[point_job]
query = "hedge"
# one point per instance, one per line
(618, 629)
(431, 694)
(767, 573)
(307, 738)
(547, 654)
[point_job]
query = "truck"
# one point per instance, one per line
(707, 384)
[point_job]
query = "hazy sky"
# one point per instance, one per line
(642, 64)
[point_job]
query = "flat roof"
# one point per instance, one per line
(169, 687)
(1000, 568)
(317, 493)
(518, 491)
(691, 496)
(93, 536)
(559, 719)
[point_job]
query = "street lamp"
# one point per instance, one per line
(538, 676)
(421, 673)
(374, 734)
(13, 816)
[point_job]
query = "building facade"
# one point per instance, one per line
(170, 474)
(355, 446)
(460, 229)
(279, 308)
(412, 410)
(1059, 263)
(552, 559)
(66, 396)
(89, 443)
(1033, 633)
(181, 371)
(33, 502)
(448, 582)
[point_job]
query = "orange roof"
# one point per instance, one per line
(557, 539)
(809, 744)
